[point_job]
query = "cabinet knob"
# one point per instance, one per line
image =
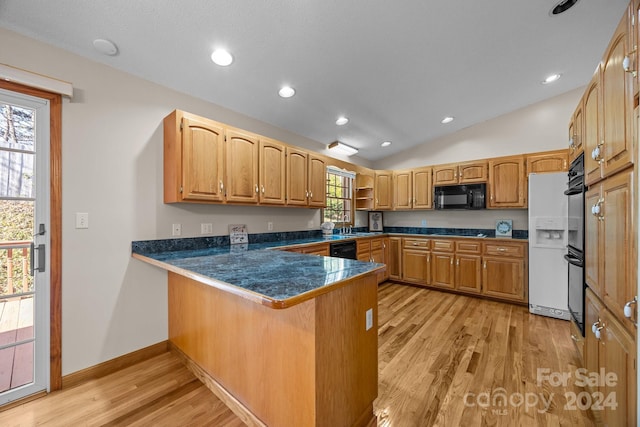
(262, 189)
(627, 64)
(257, 189)
(451, 261)
(485, 264)
(221, 186)
(458, 262)
(596, 328)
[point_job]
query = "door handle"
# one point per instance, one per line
(41, 259)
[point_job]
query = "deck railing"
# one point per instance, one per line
(14, 267)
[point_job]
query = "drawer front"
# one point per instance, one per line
(504, 249)
(468, 247)
(442, 245)
(416, 243)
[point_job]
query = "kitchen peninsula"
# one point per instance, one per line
(282, 338)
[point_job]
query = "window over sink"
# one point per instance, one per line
(340, 206)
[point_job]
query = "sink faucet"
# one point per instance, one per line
(344, 223)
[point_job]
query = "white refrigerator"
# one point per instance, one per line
(548, 270)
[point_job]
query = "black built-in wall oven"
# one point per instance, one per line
(575, 247)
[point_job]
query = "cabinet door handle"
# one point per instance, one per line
(451, 261)
(627, 64)
(458, 262)
(262, 189)
(221, 186)
(310, 195)
(257, 189)
(501, 249)
(628, 310)
(485, 265)
(428, 257)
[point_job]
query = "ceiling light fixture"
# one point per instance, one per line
(446, 120)
(221, 57)
(339, 147)
(286, 92)
(563, 6)
(551, 78)
(385, 144)
(105, 47)
(342, 120)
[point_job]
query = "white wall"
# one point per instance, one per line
(538, 127)
(112, 169)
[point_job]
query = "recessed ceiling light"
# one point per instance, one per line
(563, 6)
(551, 78)
(221, 57)
(446, 120)
(106, 47)
(286, 92)
(386, 144)
(342, 120)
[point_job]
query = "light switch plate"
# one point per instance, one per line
(82, 220)
(369, 319)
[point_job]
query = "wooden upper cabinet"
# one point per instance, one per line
(445, 174)
(551, 161)
(460, 173)
(241, 166)
(272, 161)
(422, 189)
(575, 134)
(593, 151)
(470, 172)
(193, 159)
(403, 189)
(297, 193)
(383, 190)
(617, 102)
(317, 182)
(507, 182)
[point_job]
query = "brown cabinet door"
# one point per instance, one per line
(422, 189)
(577, 147)
(241, 166)
(402, 190)
(383, 190)
(202, 160)
(503, 278)
(618, 356)
(394, 263)
(317, 182)
(297, 177)
(272, 162)
(445, 174)
(415, 266)
(506, 182)
(593, 151)
(469, 273)
(617, 102)
(442, 269)
(363, 250)
(593, 260)
(592, 309)
(619, 285)
(556, 161)
(470, 172)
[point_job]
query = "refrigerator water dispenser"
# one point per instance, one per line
(550, 232)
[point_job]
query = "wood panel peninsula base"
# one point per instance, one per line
(312, 364)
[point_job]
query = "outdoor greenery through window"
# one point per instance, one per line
(339, 196)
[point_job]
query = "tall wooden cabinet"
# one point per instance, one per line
(306, 179)
(383, 190)
(412, 189)
(593, 151)
(403, 189)
(272, 161)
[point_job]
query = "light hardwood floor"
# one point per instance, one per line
(434, 350)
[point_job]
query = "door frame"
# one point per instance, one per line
(55, 188)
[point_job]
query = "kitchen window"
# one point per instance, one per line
(339, 208)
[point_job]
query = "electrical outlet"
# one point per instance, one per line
(206, 228)
(269, 226)
(82, 220)
(369, 319)
(176, 229)
(424, 222)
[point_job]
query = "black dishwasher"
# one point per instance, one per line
(343, 249)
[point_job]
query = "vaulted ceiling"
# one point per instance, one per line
(394, 68)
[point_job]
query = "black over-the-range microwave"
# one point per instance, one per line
(470, 196)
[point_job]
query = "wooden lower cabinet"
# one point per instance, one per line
(443, 270)
(415, 266)
(394, 265)
(469, 273)
(503, 278)
(611, 353)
